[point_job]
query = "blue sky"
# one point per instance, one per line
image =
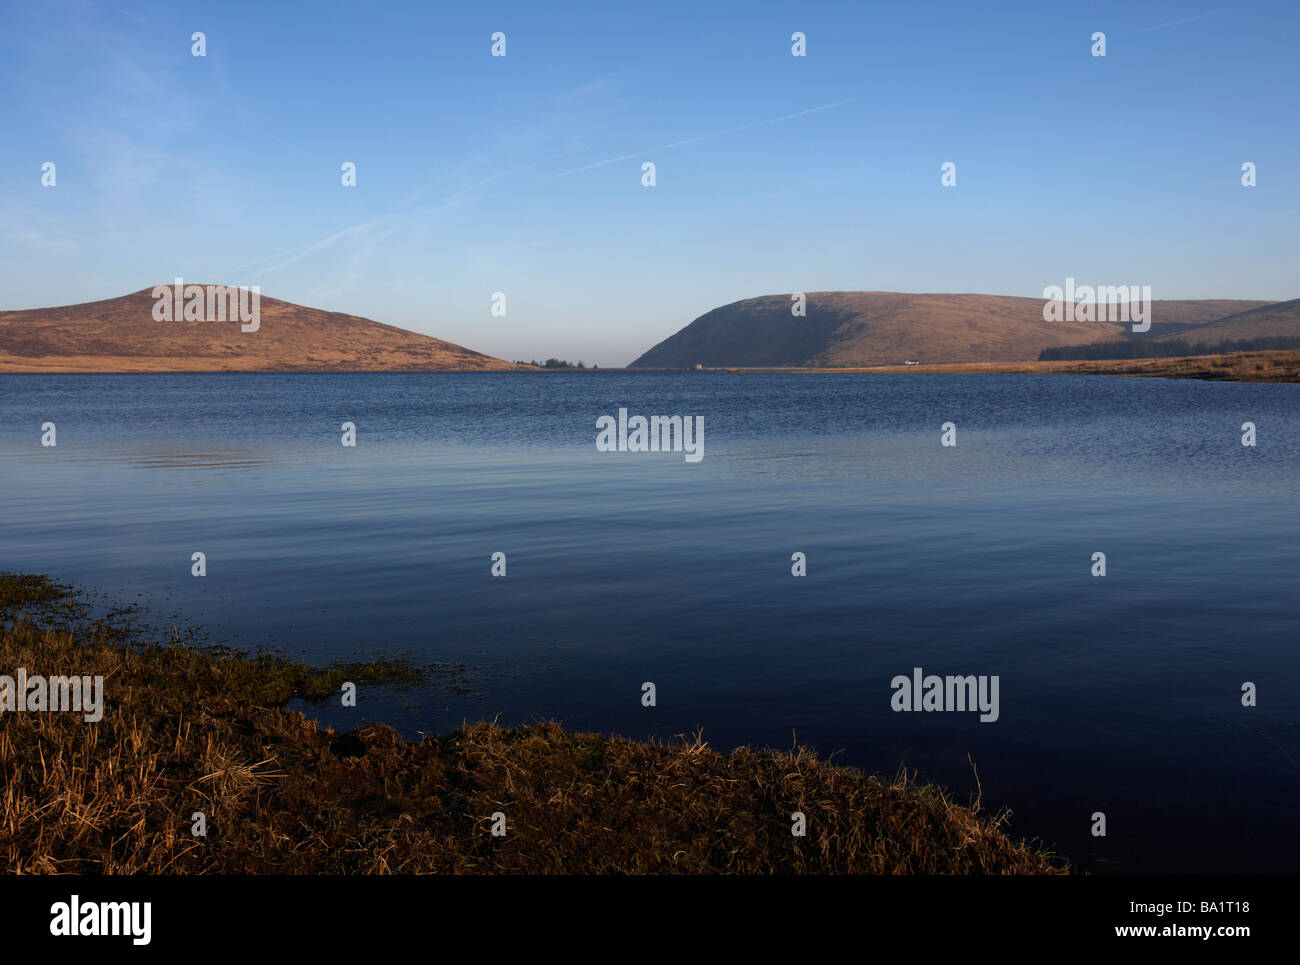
(478, 174)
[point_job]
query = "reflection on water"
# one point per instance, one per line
(164, 457)
(1118, 694)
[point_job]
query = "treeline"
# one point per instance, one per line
(1137, 349)
(554, 364)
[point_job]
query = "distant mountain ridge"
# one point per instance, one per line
(846, 329)
(122, 335)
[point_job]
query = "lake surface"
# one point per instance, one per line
(1119, 694)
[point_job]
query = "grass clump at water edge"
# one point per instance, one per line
(188, 729)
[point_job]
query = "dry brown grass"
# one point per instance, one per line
(185, 730)
(121, 335)
(850, 329)
(1277, 365)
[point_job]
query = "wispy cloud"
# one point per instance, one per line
(1175, 23)
(373, 232)
(302, 251)
(33, 238)
(693, 140)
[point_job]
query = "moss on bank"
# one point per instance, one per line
(188, 729)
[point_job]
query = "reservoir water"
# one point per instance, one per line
(1120, 694)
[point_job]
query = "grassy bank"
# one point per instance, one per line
(188, 729)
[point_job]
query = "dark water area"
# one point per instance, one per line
(1119, 694)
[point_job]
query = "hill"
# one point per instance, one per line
(122, 335)
(1278, 320)
(1277, 365)
(845, 329)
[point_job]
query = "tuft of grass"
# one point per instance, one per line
(28, 590)
(188, 729)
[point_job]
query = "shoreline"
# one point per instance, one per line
(1273, 365)
(189, 730)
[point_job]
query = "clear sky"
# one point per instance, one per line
(522, 174)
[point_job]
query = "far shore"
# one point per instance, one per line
(1267, 366)
(1263, 366)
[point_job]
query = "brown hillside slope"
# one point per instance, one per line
(1273, 365)
(121, 335)
(880, 328)
(1280, 320)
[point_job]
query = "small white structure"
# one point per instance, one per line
(911, 362)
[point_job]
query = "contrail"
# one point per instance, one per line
(301, 251)
(692, 140)
(1174, 23)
